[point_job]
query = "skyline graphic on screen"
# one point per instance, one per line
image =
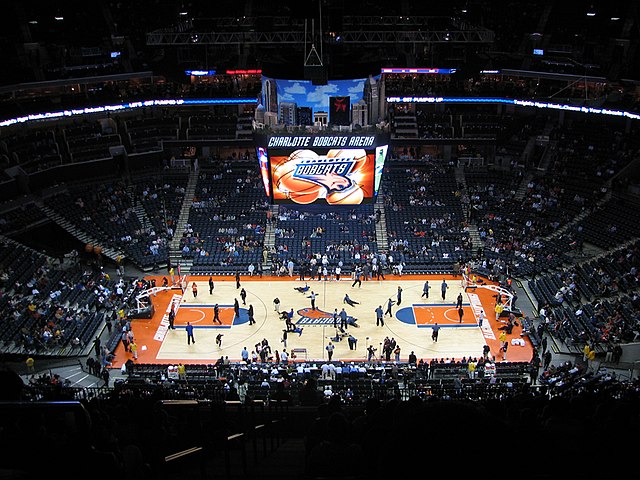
(292, 100)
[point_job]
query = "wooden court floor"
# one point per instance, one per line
(410, 323)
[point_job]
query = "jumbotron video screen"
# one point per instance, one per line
(322, 169)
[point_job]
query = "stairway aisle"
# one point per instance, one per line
(381, 226)
(175, 253)
(524, 186)
(472, 228)
(141, 213)
(270, 235)
(579, 218)
(110, 253)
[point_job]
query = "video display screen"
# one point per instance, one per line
(322, 169)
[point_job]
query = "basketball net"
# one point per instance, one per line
(184, 283)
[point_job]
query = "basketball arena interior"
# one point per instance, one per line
(312, 240)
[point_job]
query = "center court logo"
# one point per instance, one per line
(309, 316)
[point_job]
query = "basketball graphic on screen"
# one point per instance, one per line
(302, 154)
(305, 196)
(351, 196)
(357, 154)
(296, 189)
(283, 173)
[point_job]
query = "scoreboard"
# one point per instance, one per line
(322, 169)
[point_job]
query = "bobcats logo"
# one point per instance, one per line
(331, 173)
(309, 316)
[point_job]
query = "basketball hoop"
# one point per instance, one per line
(507, 295)
(468, 282)
(183, 283)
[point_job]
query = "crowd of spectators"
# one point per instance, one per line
(48, 310)
(316, 241)
(223, 230)
(425, 221)
(593, 302)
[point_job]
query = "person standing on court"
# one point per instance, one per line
(443, 288)
(460, 313)
(288, 321)
(194, 289)
(357, 277)
(172, 318)
(237, 279)
(370, 353)
(434, 333)
(190, 337)
(210, 285)
(390, 304)
(413, 360)
(380, 272)
(399, 295)
(243, 296)
(244, 354)
(379, 316)
(459, 301)
(133, 348)
(219, 340)
(290, 266)
(216, 314)
(343, 319)
(313, 300)
(486, 351)
(251, 319)
(236, 308)
(425, 289)
(330, 347)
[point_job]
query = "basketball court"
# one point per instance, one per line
(410, 323)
